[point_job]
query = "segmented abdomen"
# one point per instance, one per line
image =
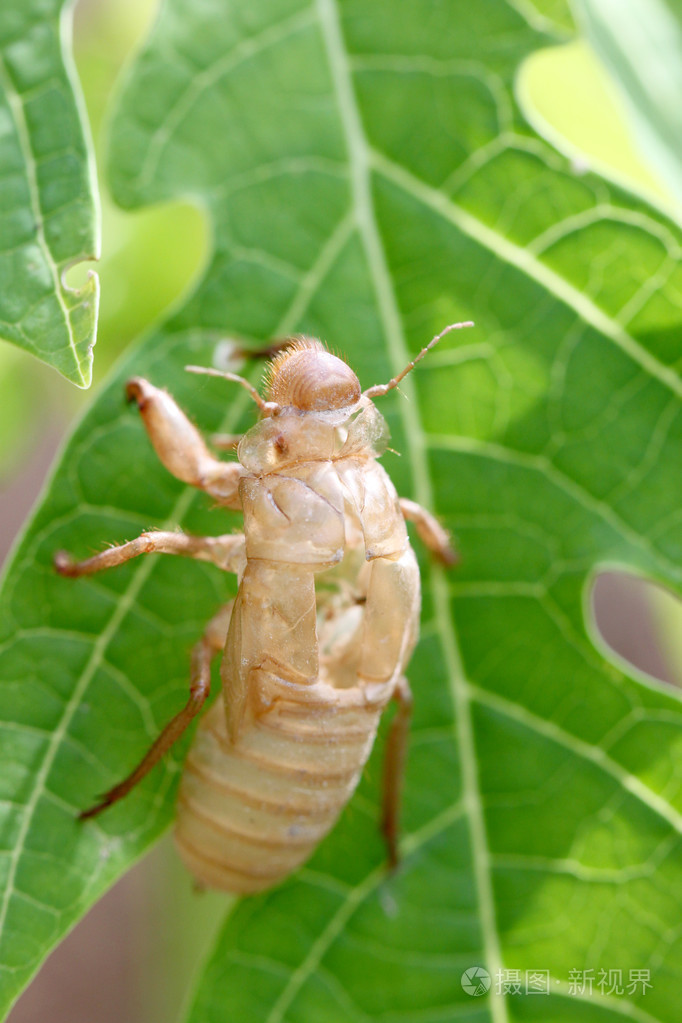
(250, 813)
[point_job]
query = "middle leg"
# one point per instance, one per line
(227, 552)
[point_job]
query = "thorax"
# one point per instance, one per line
(311, 489)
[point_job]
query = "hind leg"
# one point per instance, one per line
(429, 531)
(211, 643)
(394, 768)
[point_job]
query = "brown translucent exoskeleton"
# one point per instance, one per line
(315, 644)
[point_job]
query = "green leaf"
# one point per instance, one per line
(640, 43)
(47, 194)
(369, 179)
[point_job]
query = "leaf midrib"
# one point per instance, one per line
(359, 160)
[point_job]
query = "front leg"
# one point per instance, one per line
(226, 441)
(181, 447)
(430, 531)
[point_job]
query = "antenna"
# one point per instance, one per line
(268, 408)
(380, 389)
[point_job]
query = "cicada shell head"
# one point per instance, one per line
(307, 377)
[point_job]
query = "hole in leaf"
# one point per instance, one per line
(640, 622)
(77, 275)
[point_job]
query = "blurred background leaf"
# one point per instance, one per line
(640, 44)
